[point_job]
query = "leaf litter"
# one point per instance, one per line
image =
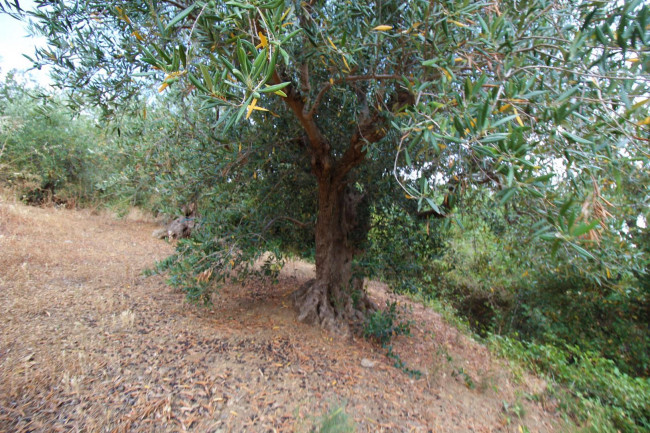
(87, 343)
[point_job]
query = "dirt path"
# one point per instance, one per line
(89, 344)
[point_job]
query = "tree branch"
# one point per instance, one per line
(284, 217)
(321, 159)
(349, 78)
(370, 130)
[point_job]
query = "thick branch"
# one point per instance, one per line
(320, 149)
(348, 79)
(370, 130)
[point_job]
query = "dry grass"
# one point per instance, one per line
(89, 344)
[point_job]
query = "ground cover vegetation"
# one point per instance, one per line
(491, 153)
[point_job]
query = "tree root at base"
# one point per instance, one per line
(336, 310)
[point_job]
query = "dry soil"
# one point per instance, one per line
(89, 344)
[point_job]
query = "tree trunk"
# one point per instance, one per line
(335, 299)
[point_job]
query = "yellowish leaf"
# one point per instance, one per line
(253, 106)
(346, 63)
(122, 15)
(163, 87)
(519, 121)
(250, 109)
(264, 41)
(504, 108)
(459, 24)
(383, 28)
(138, 36)
(645, 121)
(284, 15)
(332, 43)
(640, 103)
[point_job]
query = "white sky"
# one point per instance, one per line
(14, 42)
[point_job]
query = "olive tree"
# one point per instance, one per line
(538, 101)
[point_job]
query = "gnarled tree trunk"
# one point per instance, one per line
(335, 299)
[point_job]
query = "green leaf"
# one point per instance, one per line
(447, 137)
(541, 179)
(180, 17)
(244, 63)
(290, 35)
(502, 121)
(494, 138)
(181, 52)
(197, 83)
(407, 157)
(274, 88)
(240, 5)
(486, 150)
(258, 64)
(434, 206)
(576, 139)
(549, 236)
(584, 253)
(206, 77)
(507, 194)
(583, 228)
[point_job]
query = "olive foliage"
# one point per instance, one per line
(321, 109)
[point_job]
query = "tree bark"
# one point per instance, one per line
(335, 299)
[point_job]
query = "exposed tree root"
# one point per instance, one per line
(332, 308)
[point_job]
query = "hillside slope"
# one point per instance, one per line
(89, 344)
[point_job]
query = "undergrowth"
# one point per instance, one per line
(335, 421)
(382, 326)
(592, 389)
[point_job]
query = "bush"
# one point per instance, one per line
(49, 153)
(382, 325)
(598, 389)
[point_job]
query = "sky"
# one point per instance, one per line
(14, 42)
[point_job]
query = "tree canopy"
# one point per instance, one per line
(317, 111)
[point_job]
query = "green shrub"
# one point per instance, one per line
(382, 325)
(598, 390)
